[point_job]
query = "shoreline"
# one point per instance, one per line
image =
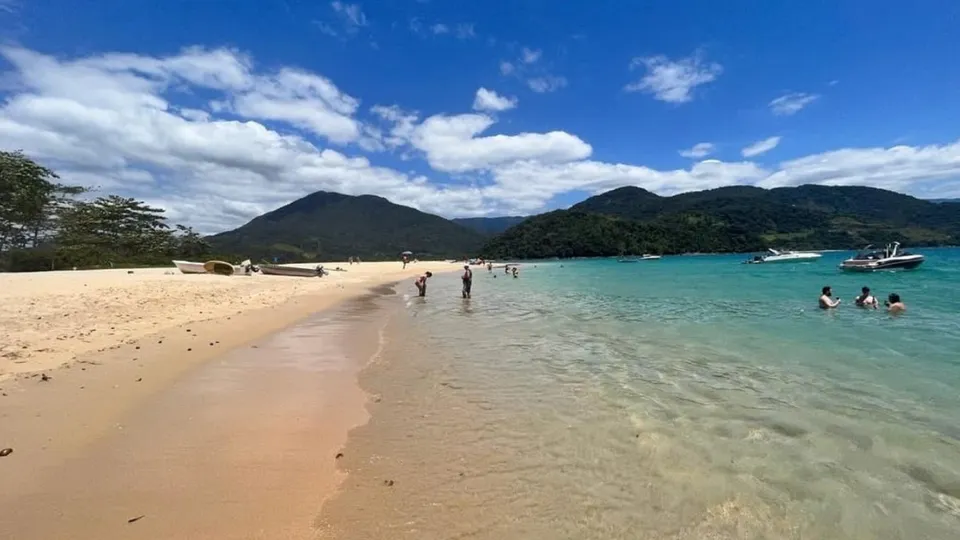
(56, 420)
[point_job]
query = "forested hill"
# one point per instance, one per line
(332, 226)
(731, 219)
(490, 226)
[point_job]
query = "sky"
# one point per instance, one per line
(220, 110)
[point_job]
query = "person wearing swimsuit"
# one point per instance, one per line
(421, 283)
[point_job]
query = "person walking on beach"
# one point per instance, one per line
(866, 300)
(895, 306)
(421, 283)
(826, 302)
(467, 279)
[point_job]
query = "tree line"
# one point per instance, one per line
(48, 225)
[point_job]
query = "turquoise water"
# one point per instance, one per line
(691, 397)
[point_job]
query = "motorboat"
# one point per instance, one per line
(644, 257)
(777, 256)
(888, 258)
(291, 271)
(189, 267)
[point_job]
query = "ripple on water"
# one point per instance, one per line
(594, 404)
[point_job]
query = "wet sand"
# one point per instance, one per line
(211, 429)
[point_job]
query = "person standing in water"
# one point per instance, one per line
(826, 302)
(895, 306)
(467, 279)
(421, 283)
(866, 300)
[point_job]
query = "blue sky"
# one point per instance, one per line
(670, 96)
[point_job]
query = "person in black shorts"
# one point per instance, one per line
(467, 279)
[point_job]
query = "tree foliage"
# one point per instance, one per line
(43, 225)
(731, 219)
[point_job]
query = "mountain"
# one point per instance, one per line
(490, 226)
(944, 200)
(331, 226)
(731, 219)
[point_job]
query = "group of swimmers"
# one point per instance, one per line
(865, 300)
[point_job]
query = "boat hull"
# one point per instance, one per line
(897, 265)
(289, 271)
(787, 260)
(188, 267)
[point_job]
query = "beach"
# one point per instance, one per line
(125, 390)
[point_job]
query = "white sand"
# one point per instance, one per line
(50, 319)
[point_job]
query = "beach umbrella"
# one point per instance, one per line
(407, 253)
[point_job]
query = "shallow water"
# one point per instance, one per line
(687, 398)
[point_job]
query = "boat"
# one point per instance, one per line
(777, 256)
(632, 259)
(291, 271)
(219, 268)
(190, 267)
(889, 258)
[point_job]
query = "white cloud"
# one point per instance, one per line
(9, 6)
(791, 103)
(488, 100)
(530, 56)
(760, 147)
(440, 28)
(465, 31)
(453, 144)
(134, 125)
(351, 13)
(529, 68)
(673, 81)
(698, 150)
(547, 83)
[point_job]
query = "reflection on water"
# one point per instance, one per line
(681, 405)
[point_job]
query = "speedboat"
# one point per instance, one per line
(889, 258)
(644, 257)
(775, 256)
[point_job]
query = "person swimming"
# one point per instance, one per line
(895, 306)
(421, 283)
(866, 300)
(826, 302)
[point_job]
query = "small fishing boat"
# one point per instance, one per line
(189, 267)
(291, 271)
(889, 258)
(776, 256)
(219, 267)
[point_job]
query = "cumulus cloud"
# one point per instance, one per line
(792, 103)
(488, 100)
(698, 150)
(760, 147)
(673, 81)
(216, 140)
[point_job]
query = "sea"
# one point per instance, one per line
(691, 398)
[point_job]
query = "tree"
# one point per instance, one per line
(29, 200)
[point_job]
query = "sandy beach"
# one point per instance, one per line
(123, 391)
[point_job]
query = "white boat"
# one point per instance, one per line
(889, 258)
(190, 267)
(644, 257)
(292, 271)
(776, 256)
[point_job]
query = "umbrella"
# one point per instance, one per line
(407, 253)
